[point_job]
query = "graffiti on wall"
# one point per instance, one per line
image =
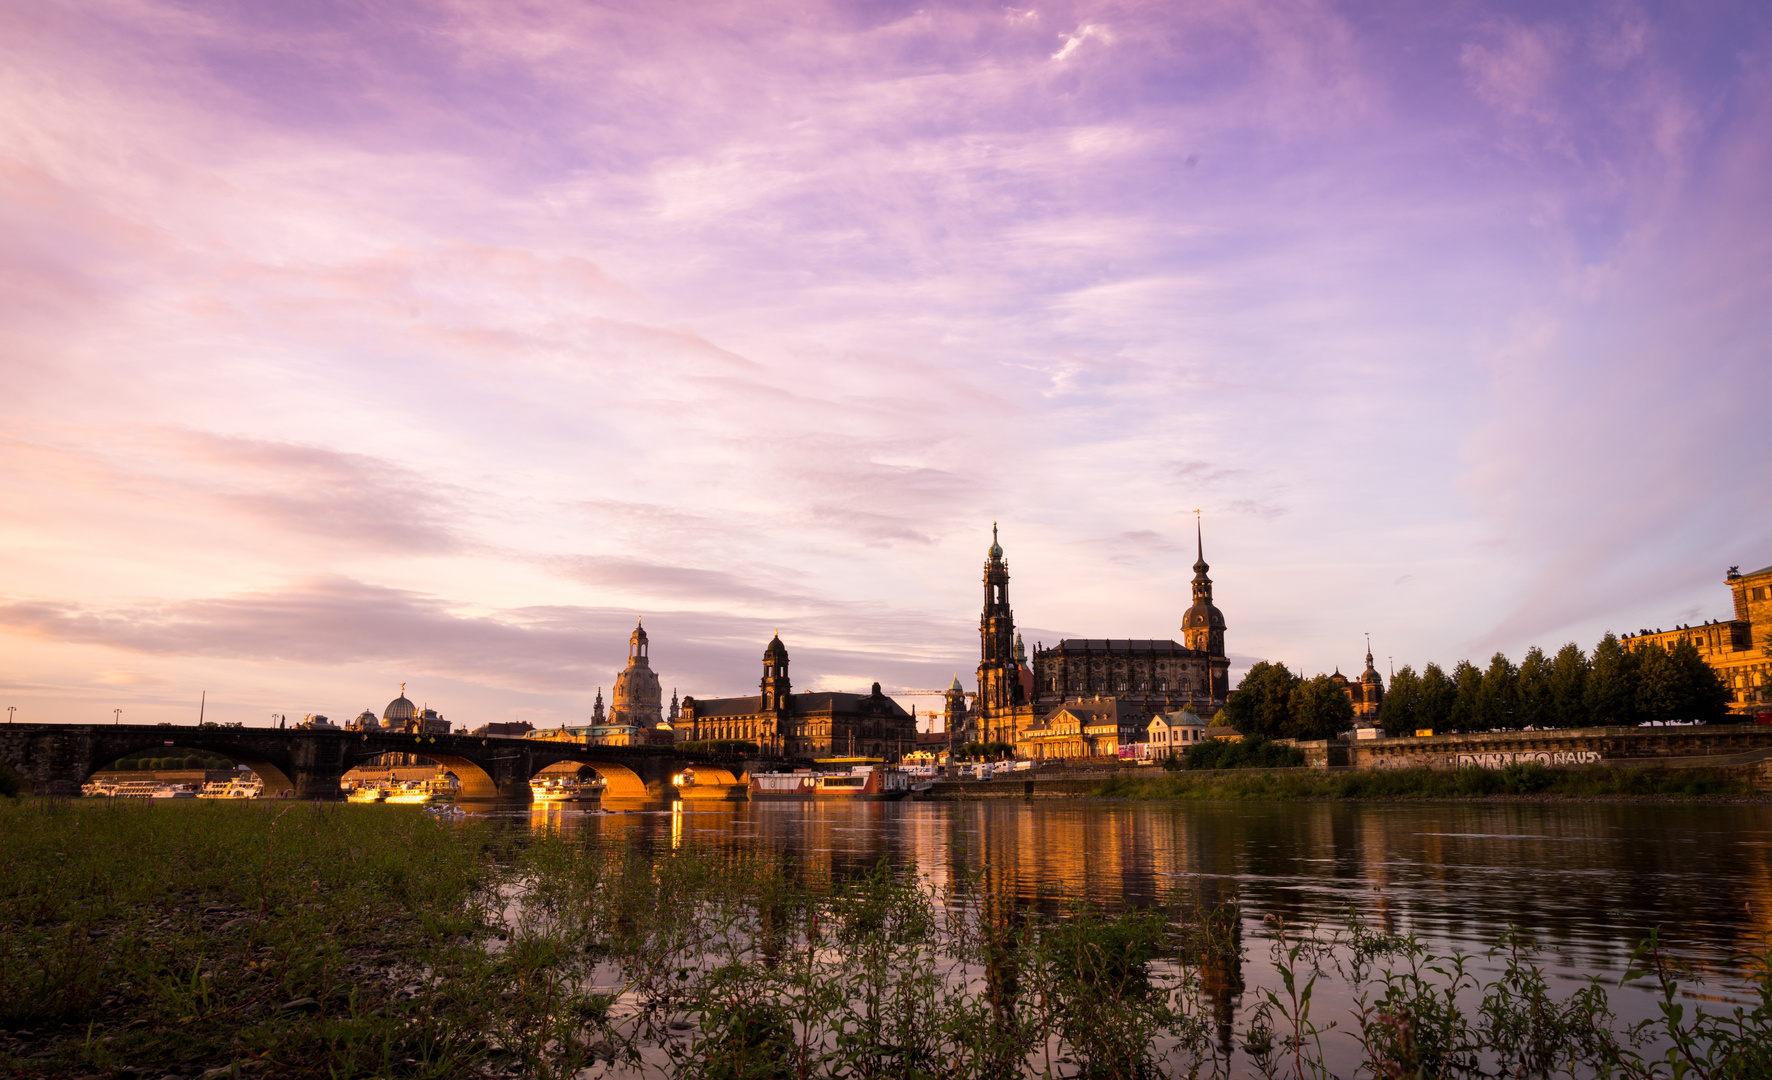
(1543, 757)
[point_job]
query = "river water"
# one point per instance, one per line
(1586, 879)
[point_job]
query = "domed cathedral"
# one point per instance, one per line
(810, 724)
(1144, 676)
(638, 699)
(402, 716)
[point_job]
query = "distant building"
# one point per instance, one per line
(514, 729)
(1366, 692)
(637, 700)
(404, 717)
(1739, 649)
(1174, 732)
(1142, 677)
(814, 724)
(1081, 729)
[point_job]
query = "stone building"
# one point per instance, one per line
(403, 716)
(1739, 649)
(1141, 676)
(815, 724)
(1094, 727)
(1366, 692)
(638, 699)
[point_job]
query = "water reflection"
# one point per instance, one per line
(1588, 878)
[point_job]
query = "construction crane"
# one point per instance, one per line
(927, 693)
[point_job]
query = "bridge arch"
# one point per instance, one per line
(275, 780)
(620, 782)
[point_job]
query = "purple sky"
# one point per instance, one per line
(347, 345)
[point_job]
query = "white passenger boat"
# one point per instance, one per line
(174, 791)
(411, 795)
(232, 789)
(565, 791)
(365, 794)
(863, 783)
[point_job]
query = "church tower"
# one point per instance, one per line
(954, 715)
(1202, 627)
(775, 685)
(999, 682)
(636, 698)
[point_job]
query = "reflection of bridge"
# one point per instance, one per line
(307, 764)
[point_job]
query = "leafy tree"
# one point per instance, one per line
(1657, 695)
(1467, 685)
(1534, 707)
(1497, 705)
(1401, 712)
(1567, 688)
(1677, 684)
(1438, 693)
(1320, 710)
(1262, 704)
(1612, 684)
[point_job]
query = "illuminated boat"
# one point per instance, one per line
(863, 783)
(565, 791)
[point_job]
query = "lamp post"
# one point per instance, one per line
(10, 709)
(117, 717)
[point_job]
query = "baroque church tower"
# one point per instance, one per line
(999, 682)
(775, 686)
(1202, 627)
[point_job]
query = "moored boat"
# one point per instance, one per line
(365, 794)
(565, 791)
(863, 783)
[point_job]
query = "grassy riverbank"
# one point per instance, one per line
(353, 941)
(1514, 780)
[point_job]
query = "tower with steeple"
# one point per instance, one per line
(999, 682)
(775, 686)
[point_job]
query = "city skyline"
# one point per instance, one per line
(433, 345)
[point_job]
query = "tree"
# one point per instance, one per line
(1262, 703)
(1677, 684)
(1497, 697)
(1467, 685)
(1612, 684)
(1567, 688)
(1657, 695)
(1534, 689)
(1437, 696)
(1401, 712)
(1320, 710)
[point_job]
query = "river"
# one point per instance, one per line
(1587, 880)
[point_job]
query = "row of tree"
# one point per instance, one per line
(1273, 702)
(1616, 685)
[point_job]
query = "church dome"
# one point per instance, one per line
(637, 697)
(996, 551)
(1203, 616)
(776, 652)
(398, 711)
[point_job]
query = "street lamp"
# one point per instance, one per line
(117, 716)
(10, 709)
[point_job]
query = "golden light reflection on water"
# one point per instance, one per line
(1586, 878)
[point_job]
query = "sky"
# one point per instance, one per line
(351, 345)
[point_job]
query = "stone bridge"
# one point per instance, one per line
(307, 764)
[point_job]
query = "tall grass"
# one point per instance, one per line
(365, 941)
(1529, 778)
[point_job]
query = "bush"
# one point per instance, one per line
(1249, 752)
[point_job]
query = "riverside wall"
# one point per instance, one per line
(1705, 745)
